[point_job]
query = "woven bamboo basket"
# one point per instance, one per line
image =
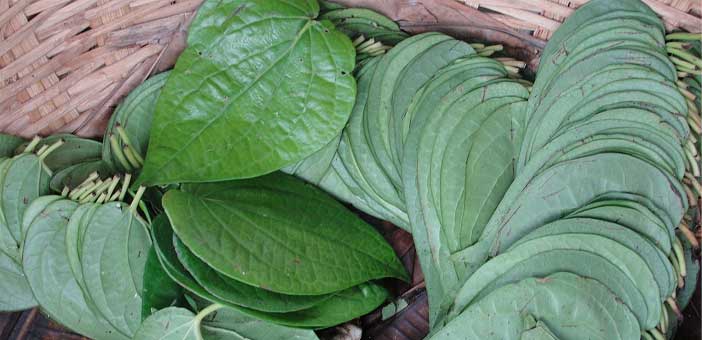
(65, 64)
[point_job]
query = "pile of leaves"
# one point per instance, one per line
(217, 258)
(212, 209)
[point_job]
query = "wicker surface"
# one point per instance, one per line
(542, 17)
(65, 64)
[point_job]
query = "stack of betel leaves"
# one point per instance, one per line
(212, 209)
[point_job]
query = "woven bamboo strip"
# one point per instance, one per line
(65, 64)
(62, 61)
(547, 15)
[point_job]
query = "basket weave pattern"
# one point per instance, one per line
(65, 64)
(542, 17)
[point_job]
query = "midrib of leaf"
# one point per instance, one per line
(222, 112)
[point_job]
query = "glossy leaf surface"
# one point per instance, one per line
(261, 85)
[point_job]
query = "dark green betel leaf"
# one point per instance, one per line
(343, 306)
(8, 144)
(279, 233)
(159, 291)
(261, 85)
(239, 293)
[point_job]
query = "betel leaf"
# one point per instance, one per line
(226, 321)
(572, 307)
(74, 150)
(113, 256)
(261, 86)
(16, 294)
(214, 322)
(46, 266)
(159, 291)
(23, 178)
(170, 323)
(8, 144)
(129, 127)
(343, 306)
(239, 293)
(279, 233)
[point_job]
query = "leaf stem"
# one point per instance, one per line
(90, 190)
(117, 151)
(50, 149)
(511, 69)
(676, 271)
(493, 48)
(683, 36)
(656, 334)
(358, 40)
(78, 192)
(689, 235)
(662, 323)
(674, 307)
(694, 111)
(677, 44)
(691, 71)
(514, 63)
(689, 67)
(694, 167)
(42, 149)
(685, 92)
(201, 315)
(87, 199)
(137, 198)
(125, 186)
(684, 55)
(680, 256)
(33, 144)
(666, 319)
(695, 183)
(103, 186)
(691, 147)
(365, 44)
(111, 188)
(93, 176)
(693, 124)
(131, 158)
(690, 195)
(114, 197)
(123, 134)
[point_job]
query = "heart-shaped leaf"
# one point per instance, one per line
(261, 85)
(279, 233)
